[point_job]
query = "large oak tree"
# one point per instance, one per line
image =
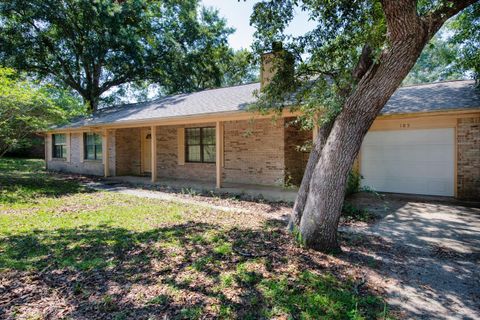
(95, 46)
(348, 67)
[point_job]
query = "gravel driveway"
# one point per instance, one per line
(432, 270)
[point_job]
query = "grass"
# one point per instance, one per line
(114, 256)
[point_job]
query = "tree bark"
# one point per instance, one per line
(302, 194)
(408, 33)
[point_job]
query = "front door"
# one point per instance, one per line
(146, 151)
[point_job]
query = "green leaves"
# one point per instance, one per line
(27, 107)
(325, 57)
(328, 56)
(466, 28)
(95, 46)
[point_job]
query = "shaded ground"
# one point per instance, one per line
(70, 252)
(433, 262)
(67, 251)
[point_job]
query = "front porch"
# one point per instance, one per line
(270, 193)
(254, 158)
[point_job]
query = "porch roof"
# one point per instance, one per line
(440, 96)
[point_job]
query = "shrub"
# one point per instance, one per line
(353, 182)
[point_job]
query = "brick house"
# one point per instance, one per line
(426, 141)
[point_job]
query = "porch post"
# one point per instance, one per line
(46, 150)
(219, 152)
(105, 155)
(153, 132)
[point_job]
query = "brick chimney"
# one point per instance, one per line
(277, 60)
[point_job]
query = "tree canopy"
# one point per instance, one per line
(329, 58)
(27, 107)
(95, 46)
(439, 61)
(453, 53)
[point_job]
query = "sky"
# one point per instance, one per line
(238, 14)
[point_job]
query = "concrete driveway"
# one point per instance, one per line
(432, 267)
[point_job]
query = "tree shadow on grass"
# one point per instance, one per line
(24, 180)
(190, 270)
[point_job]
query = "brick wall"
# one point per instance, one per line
(254, 152)
(76, 163)
(295, 159)
(167, 158)
(468, 157)
(128, 151)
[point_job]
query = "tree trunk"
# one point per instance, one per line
(319, 219)
(91, 100)
(302, 194)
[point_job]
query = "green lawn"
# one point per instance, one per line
(69, 252)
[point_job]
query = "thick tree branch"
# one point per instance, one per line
(402, 19)
(435, 19)
(364, 63)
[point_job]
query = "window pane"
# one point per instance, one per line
(209, 153)
(193, 136)
(90, 140)
(57, 152)
(90, 152)
(59, 139)
(98, 152)
(208, 136)
(193, 154)
(98, 139)
(64, 151)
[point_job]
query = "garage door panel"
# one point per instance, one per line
(410, 137)
(405, 153)
(413, 161)
(411, 168)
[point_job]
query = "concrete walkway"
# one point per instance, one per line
(432, 269)
(271, 193)
(122, 189)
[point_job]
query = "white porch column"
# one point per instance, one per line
(105, 155)
(219, 152)
(153, 132)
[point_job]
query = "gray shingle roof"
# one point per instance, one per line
(448, 95)
(229, 99)
(438, 96)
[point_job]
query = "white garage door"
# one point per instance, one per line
(409, 161)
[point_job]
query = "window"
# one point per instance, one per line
(59, 142)
(200, 145)
(92, 146)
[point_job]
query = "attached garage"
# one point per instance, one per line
(410, 161)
